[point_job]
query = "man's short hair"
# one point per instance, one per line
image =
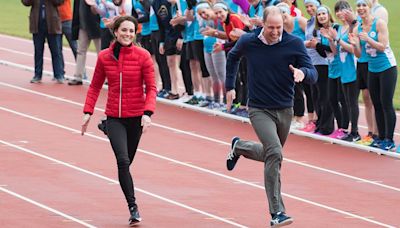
(269, 11)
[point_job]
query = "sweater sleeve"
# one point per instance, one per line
(232, 63)
(95, 86)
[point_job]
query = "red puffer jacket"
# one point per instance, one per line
(126, 77)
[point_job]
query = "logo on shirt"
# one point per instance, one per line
(372, 34)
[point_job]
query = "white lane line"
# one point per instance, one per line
(44, 57)
(212, 140)
(109, 180)
(31, 43)
(31, 201)
(95, 55)
(201, 169)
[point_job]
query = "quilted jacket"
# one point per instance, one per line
(131, 82)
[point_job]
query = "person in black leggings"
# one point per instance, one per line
(128, 69)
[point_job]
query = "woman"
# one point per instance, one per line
(215, 61)
(319, 62)
(331, 51)
(128, 110)
(372, 37)
(346, 61)
(233, 27)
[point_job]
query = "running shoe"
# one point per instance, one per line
(36, 80)
(135, 216)
(376, 143)
(338, 134)
(163, 93)
(296, 125)
(387, 144)
(366, 141)
(232, 157)
(310, 127)
(352, 137)
(280, 219)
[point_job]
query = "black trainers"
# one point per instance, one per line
(75, 82)
(280, 219)
(232, 157)
(352, 137)
(36, 80)
(135, 216)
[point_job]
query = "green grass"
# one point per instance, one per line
(14, 21)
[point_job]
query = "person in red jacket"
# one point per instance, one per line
(129, 71)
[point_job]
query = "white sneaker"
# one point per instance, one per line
(296, 125)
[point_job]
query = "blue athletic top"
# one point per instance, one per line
(378, 61)
(196, 27)
(153, 20)
(232, 6)
(334, 64)
(256, 11)
(140, 12)
(297, 31)
(364, 57)
(348, 61)
(209, 41)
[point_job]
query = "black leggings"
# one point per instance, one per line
(381, 88)
(299, 90)
(351, 92)
(338, 103)
(323, 109)
(124, 135)
(161, 61)
(184, 65)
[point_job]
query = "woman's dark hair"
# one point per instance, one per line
(331, 20)
(295, 3)
(121, 19)
(341, 5)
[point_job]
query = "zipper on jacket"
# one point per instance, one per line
(120, 95)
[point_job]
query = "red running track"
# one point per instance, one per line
(51, 176)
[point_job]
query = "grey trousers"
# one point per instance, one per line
(272, 128)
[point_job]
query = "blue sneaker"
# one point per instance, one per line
(163, 93)
(387, 144)
(376, 143)
(232, 157)
(280, 219)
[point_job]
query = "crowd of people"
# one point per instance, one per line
(232, 56)
(189, 41)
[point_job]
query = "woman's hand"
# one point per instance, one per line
(85, 123)
(146, 122)
(161, 49)
(218, 47)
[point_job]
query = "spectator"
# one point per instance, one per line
(45, 24)
(85, 28)
(65, 11)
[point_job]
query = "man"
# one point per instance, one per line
(85, 28)
(45, 23)
(275, 61)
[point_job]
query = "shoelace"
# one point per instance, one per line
(231, 156)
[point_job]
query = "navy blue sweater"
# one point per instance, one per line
(270, 81)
